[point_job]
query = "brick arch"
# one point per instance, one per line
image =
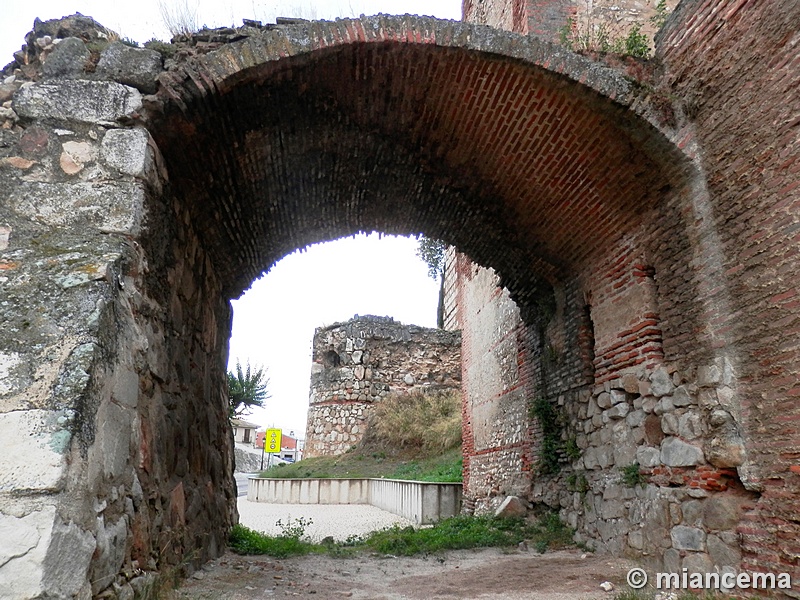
(528, 158)
(536, 162)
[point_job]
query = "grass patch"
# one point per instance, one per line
(649, 593)
(413, 436)
(631, 475)
(364, 462)
(446, 470)
(455, 533)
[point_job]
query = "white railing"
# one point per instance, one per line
(420, 502)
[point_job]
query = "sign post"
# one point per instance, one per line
(272, 444)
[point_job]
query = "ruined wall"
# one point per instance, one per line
(672, 360)
(116, 462)
(582, 19)
(642, 440)
(358, 362)
(736, 65)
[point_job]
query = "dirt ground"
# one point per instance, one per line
(486, 574)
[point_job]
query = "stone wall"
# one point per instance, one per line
(736, 64)
(643, 448)
(359, 362)
(670, 361)
(581, 18)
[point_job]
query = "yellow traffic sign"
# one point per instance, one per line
(272, 441)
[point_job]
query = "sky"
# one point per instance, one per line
(274, 321)
(142, 21)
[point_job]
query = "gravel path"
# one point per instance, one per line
(336, 520)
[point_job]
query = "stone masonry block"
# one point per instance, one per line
(688, 538)
(26, 538)
(677, 453)
(648, 457)
(137, 67)
(128, 150)
(116, 207)
(69, 101)
(68, 558)
(68, 59)
(32, 457)
(661, 383)
(708, 376)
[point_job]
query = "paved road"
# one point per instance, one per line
(337, 520)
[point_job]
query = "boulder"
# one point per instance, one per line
(511, 507)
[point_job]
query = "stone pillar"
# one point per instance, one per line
(73, 194)
(103, 476)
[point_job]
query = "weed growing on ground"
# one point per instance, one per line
(294, 528)
(244, 540)
(630, 594)
(429, 421)
(165, 49)
(450, 534)
(649, 593)
(460, 532)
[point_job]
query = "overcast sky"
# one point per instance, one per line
(274, 322)
(142, 20)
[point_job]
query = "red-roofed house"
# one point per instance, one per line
(290, 449)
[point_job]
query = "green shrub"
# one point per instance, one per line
(163, 48)
(661, 14)
(636, 43)
(450, 534)
(458, 532)
(577, 482)
(550, 423)
(572, 449)
(593, 36)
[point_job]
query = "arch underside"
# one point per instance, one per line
(520, 168)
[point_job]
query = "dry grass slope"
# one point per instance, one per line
(429, 422)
